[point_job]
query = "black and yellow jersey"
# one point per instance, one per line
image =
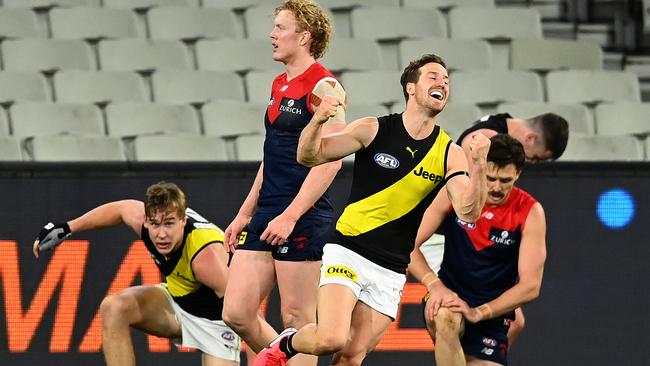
(395, 179)
(191, 295)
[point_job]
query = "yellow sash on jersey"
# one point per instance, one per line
(399, 198)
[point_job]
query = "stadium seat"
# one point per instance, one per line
(552, 54)
(10, 149)
(373, 87)
(459, 54)
(603, 148)
(36, 119)
(226, 118)
(496, 86)
(99, 87)
(132, 119)
(578, 116)
(4, 123)
(353, 55)
(19, 23)
(47, 4)
(190, 24)
(179, 147)
(583, 86)
(92, 24)
(371, 23)
(143, 55)
(186, 87)
(147, 4)
(239, 55)
(47, 55)
(350, 4)
(258, 86)
(19, 86)
(354, 111)
(250, 147)
(456, 118)
(445, 4)
(469, 22)
(239, 4)
(74, 148)
(623, 118)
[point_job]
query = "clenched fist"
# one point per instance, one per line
(479, 148)
(327, 109)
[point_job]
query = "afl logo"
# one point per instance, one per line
(229, 336)
(386, 161)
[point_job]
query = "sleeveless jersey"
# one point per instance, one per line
(494, 122)
(395, 179)
(481, 259)
(288, 112)
(191, 295)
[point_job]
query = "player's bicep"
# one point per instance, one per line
(456, 176)
(329, 86)
(532, 250)
(132, 214)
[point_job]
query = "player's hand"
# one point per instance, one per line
(278, 230)
(50, 237)
(233, 232)
(472, 315)
(327, 109)
(439, 294)
(479, 147)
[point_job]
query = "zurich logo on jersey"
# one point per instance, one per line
(386, 161)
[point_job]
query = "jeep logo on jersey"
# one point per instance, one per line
(386, 161)
(505, 237)
(287, 105)
(426, 175)
(340, 271)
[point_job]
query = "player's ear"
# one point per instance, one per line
(410, 88)
(304, 38)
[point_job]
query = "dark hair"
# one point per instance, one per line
(411, 73)
(164, 197)
(555, 132)
(505, 150)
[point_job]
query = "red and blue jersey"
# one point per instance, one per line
(481, 259)
(288, 112)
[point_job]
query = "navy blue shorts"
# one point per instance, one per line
(305, 243)
(488, 339)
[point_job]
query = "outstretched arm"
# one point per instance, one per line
(129, 212)
(468, 194)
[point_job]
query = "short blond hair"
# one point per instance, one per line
(312, 18)
(164, 197)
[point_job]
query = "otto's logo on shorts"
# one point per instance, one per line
(340, 271)
(386, 161)
(228, 335)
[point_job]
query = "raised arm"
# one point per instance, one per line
(129, 212)
(468, 194)
(318, 146)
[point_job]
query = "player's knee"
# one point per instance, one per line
(295, 317)
(329, 344)
(447, 322)
(115, 309)
(236, 319)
